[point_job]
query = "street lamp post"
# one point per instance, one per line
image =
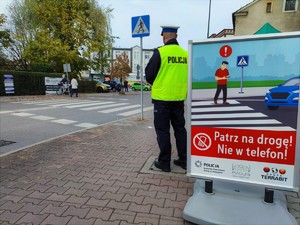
(209, 9)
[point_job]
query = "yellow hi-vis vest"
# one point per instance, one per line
(171, 81)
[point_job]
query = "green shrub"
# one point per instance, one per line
(33, 83)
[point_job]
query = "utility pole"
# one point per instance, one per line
(208, 23)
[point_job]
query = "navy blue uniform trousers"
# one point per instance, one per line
(166, 113)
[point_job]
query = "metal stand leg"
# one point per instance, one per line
(208, 186)
(269, 195)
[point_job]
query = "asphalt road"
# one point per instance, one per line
(28, 122)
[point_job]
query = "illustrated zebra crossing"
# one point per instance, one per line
(234, 115)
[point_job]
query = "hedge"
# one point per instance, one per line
(33, 83)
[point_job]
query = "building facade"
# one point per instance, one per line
(134, 56)
(284, 15)
(223, 33)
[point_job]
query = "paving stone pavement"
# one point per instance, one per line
(94, 177)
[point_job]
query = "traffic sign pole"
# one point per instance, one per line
(242, 77)
(140, 27)
(142, 77)
(242, 61)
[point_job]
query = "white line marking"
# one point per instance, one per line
(222, 109)
(2, 112)
(74, 103)
(135, 111)
(88, 104)
(42, 117)
(201, 103)
(283, 128)
(119, 109)
(56, 101)
(104, 106)
(86, 125)
(64, 121)
(23, 114)
(239, 122)
(232, 115)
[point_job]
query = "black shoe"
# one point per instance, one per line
(180, 162)
(158, 165)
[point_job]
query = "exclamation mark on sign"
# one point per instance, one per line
(225, 51)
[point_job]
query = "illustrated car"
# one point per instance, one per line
(114, 85)
(286, 94)
(101, 87)
(136, 86)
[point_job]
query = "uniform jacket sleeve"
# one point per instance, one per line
(152, 67)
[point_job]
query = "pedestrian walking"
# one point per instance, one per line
(167, 72)
(74, 85)
(222, 75)
(126, 85)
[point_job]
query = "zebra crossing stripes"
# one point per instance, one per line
(224, 109)
(64, 121)
(119, 109)
(278, 128)
(103, 106)
(234, 115)
(123, 108)
(86, 125)
(135, 111)
(231, 115)
(87, 104)
(22, 114)
(53, 102)
(236, 122)
(70, 103)
(43, 117)
(203, 103)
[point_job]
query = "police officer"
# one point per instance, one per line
(167, 72)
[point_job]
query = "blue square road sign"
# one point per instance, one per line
(140, 26)
(242, 61)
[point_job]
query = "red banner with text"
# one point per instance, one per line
(242, 144)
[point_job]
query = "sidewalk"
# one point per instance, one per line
(97, 176)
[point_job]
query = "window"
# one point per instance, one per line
(117, 53)
(136, 55)
(290, 5)
(269, 7)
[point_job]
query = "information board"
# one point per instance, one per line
(252, 136)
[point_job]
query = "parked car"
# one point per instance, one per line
(114, 85)
(286, 94)
(136, 86)
(101, 87)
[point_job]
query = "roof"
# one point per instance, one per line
(267, 29)
(246, 6)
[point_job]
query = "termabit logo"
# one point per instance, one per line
(274, 174)
(241, 170)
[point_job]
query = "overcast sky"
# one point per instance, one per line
(190, 15)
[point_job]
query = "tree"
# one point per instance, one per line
(4, 33)
(56, 32)
(4, 42)
(120, 67)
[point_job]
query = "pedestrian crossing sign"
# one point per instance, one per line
(242, 60)
(140, 26)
